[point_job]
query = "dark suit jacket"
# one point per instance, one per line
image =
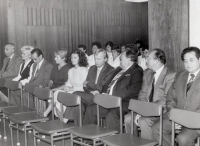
(25, 74)
(161, 87)
(91, 78)
(13, 67)
(44, 73)
(177, 97)
(128, 85)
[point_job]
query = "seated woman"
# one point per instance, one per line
(24, 74)
(116, 51)
(76, 76)
(59, 74)
(144, 52)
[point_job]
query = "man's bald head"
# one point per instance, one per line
(9, 49)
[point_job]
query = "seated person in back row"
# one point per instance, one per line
(125, 82)
(11, 65)
(95, 46)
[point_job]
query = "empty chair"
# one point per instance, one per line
(95, 132)
(57, 129)
(22, 122)
(13, 85)
(185, 118)
(145, 109)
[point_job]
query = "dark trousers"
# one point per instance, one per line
(112, 116)
(186, 137)
(4, 90)
(73, 112)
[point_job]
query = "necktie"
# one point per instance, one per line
(36, 73)
(114, 79)
(5, 69)
(190, 82)
(152, 88)
(98, 72)
(22, 68)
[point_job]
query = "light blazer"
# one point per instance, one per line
(177, 97)
(91, 78)
(164, 82)
(44, 73)
(13, 67)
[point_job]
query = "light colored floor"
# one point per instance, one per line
(30, 139)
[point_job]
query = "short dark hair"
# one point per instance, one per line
(190, 49)
(139, 42)
(145, 47)
(96, 44)
(82, 46)
(82, 58)
(11, 44)
(132, 48)
(160, 54)
(132, 55)
(37, 51)
(117, 49)
(109, 43)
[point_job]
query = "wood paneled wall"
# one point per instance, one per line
(168, 29)
(54, 24)
(3, 29)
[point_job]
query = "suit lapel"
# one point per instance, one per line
(195, 85)
(126, 72)
(184, 84)
(11, 62)
(102, 72)
(149, 83)
(41, 67)
(160, 78)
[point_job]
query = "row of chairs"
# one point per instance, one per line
(23, 119)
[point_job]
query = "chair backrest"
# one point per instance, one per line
(42, 93)
(29, 87)
(107, 101)
(68, 100)
(2, 82)
(145, 108)
(12, 85)
(185, 118)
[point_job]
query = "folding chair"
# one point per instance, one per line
(14, 85)
(57, 129)
(95, 132)
(22, 122)
(185, 118)
(145, 109)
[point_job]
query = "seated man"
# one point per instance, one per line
(183, 94)
(95, 46)
(156, 82)
(11, 65)
(40, 74)
(92, 85)
(125, 82)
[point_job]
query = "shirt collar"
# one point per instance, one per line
(39, 65)
(11, 56)
(159, 70)
(195, 74)
(100, 68)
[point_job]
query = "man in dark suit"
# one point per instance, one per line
(40, 74)
(156, 82)
(11, 65)
(125, 82)
(183, 94)
(92, 85)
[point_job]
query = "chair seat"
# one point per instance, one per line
(27, 118)
(17, 110)
(126, 139)
(50, 127)
(92, 131)
(4, 104)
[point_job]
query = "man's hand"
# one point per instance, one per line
(85, 83)
(137, 117)
(94, 92)
(177, 126)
